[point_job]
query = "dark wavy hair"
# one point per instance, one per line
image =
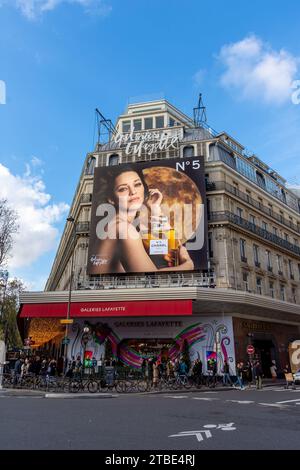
(112, 173)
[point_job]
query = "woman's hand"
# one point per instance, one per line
(154, 201)
(185, 259)
(159, 223)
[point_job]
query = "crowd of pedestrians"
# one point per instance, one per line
(247, 374)
(36, 366)
(153, 370)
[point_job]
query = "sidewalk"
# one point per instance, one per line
(25, 392)
(81, 395)
(20, 392)
(267, 383)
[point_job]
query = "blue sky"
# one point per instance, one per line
(59, 59)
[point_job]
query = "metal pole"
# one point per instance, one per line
(217, 339)
(72, 220)
(83, 364)
(4, 275)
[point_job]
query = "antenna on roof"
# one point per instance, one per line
(105, 127)
(200, 113)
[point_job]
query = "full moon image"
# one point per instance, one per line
(177, 190)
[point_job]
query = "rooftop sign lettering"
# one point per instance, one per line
(137, 143)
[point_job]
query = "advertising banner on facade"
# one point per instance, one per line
(148, 217)
(129, 341)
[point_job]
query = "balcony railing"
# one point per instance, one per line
(227, 216)
(85, 198)
(202, 279)
(82, 227)
(223, 186)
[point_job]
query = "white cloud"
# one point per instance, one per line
(35, 161)
(257, 71)
(199, 77)
(37, 215)
(33, 9)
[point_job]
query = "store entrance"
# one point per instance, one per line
(265, 352)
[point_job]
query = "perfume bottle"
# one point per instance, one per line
(160, 243)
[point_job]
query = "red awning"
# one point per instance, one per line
(107, 309)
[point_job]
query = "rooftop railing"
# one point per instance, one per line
(203, 279)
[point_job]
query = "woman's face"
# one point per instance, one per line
(129, 191)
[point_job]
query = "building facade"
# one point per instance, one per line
(247, 292)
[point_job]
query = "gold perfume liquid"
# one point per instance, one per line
(161, 244)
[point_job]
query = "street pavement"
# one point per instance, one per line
(231, 419)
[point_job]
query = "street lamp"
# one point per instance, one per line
(251, 356)
(4, 277)
(72, 221)
(217, 340)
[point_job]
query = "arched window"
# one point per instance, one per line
(188, 151)
(113, 159)
(90, 166)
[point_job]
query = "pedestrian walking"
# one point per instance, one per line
(155, 374)
(17, 370)
(226, 374)
(197, 372)
(239, 375)
(258, 375)
(273, 370)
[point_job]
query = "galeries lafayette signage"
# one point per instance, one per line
(107, 309)
(137, 143)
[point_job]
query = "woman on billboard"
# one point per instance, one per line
(136, 237)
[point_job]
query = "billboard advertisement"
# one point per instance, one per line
(148, 217)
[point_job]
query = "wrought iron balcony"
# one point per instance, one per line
(223, 186)
(226, 216)
(82, 227)
(85, 198)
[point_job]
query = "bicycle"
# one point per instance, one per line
(182, 380)
(116, 385)
(76, 384)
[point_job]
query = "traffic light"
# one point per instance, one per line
(88, 356)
